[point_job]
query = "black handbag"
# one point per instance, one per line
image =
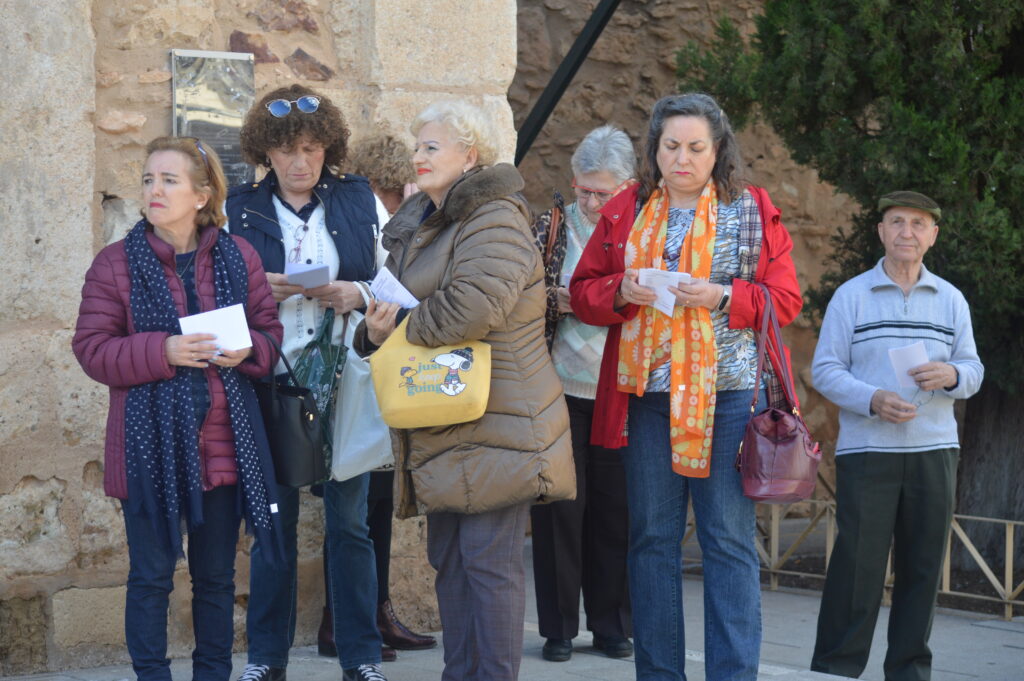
(778, 458)
(292, 421)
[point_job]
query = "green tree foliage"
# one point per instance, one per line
(880, 95)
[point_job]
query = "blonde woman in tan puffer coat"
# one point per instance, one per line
(464, 248)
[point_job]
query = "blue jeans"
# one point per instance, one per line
(270, 618)
(211, 564)
(352, 572)
(725, 528)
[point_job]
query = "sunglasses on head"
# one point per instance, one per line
(279, 108)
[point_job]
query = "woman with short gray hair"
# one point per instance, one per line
(582, 544)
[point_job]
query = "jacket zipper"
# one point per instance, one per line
(274, 220)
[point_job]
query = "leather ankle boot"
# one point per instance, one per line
(325, 636)
(396, 634)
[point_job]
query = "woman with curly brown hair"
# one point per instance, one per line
(303, 212)
(384, 161)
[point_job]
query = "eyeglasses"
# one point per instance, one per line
(584, 194)
(922, 398)
(299, 234)
(279, 108)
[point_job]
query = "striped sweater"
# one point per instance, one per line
(867, 316)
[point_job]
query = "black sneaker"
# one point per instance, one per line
(613, 646)
(261, 672)
(557, 650)
(364, 672)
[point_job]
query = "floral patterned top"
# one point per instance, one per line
(737, 348)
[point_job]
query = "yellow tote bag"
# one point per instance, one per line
(418, 387)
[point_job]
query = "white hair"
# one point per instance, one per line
(605, 149)
(468, 123)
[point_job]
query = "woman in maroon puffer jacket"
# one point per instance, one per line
(185, 443)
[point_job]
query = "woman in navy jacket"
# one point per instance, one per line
(304, 213)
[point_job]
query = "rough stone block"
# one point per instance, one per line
(307, 67)
(285, 15)
(23, 639)
(458, 45)
(33, 539)
(412, 579)
(46, 153)
(89, 616)
(101, 536)
(21, 365)
(79, 404)
(254, 43)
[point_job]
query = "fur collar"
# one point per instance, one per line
(479, 186)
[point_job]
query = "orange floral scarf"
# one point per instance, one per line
(687, 338)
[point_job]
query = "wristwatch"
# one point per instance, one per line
(726, 294)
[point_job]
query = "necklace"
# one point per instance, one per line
(181, 272)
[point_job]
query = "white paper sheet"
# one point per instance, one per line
(660, 280)
(227, 324)
(307, 276)
(387, 288)
(904, 359)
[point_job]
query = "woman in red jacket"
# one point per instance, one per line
(185, 444)
(678, 373)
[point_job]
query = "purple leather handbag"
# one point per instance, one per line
(778, 458)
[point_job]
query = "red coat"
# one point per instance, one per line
(111, 352)
(599, 274)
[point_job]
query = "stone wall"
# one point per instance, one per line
(88, 84)
(631, 66)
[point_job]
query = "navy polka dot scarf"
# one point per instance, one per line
(161, 430)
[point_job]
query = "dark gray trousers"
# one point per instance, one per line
(481, 591)
(886, 498)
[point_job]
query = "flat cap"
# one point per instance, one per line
(910, 200)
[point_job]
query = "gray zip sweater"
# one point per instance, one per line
(868, 315)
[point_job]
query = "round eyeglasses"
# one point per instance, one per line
(279, 108)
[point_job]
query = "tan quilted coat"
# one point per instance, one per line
(475, 268)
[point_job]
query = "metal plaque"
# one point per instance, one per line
(212, 93)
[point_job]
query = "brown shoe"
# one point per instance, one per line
(396, 634)
(388, 654)
(325, 636)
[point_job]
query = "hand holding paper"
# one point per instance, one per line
(386, 288)
(660, 280)
(228, 324)
(307, 276)
(905, 358)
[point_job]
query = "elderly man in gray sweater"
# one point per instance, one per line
(897, 451)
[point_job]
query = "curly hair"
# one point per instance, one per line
(385, 160)
(728, 169)
(262, 131)
(205, 172)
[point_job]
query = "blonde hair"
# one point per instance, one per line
(384, 160)
(472, 128)
(205, 172)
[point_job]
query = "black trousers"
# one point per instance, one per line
(883, 499)
(582, 544)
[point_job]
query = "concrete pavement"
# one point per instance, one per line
(966, 647)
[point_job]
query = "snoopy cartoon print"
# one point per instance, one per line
(456, 361)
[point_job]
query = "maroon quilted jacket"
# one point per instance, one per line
(111, 352)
